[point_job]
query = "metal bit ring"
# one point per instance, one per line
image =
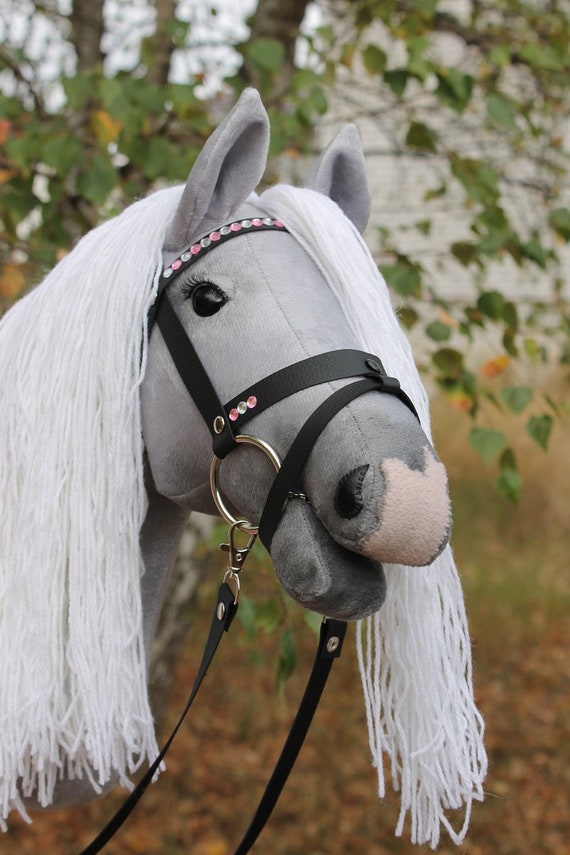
(243, 525)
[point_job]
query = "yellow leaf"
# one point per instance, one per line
(460, 401)
(106, 128)
(496, 367)
(12, 281)
(448, 319)
(5, 175)
(212, 846)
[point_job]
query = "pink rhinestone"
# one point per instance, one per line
(235, 227)
(176, 264)
(215, 236)
(257, 222)
(195, 249)
(251, 402)
(279, 224)
(234, 415)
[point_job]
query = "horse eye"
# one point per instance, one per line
(207, 299)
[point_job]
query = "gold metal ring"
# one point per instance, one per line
(246, 439)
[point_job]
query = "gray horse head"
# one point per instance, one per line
(376, 490)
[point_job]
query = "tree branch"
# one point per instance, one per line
(11, 62)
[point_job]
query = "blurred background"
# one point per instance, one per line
(463, 111)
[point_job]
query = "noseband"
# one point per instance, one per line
(226, 421)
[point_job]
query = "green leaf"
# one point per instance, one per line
(534, 250)
(418, 65)
(510, 315)
(501, 110)
(303, 79)
(480, 181)
(546, 57)
(408, 316)
(455, 88)
(159, 160)
(448, 361)
(98, 179)
(510, 342)
(374, 59)
(424, 226)
(313, 620)
(63, 154)
(539, 428)
(404, 277)
(246, 613)
(491, 303)
(509, 484)
(287, 658)
(267, 54)
(488, 443)
(438, 331)
(534, 350)
(80, 88)
(517, 398)
(559, 220)
(436, 192)
(500, 55)
(465, 252)
(421, 137)
(268, 616)
(397, 79)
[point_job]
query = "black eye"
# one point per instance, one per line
(207, 299)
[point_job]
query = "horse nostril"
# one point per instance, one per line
(348, 495)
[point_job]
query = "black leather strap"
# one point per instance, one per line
(287, 479)
(223, 421)
(224, 614)
(321, 368)
(330, 647)
(195, 377)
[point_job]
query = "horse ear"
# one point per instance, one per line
(229, 167)
(340, 173)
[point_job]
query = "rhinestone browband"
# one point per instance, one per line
(219, 236)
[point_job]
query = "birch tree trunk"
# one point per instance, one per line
(190, 566)
(280, 20)
(87, 31)
(163, 43)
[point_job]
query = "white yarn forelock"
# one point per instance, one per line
(73, 690)
(415, 653)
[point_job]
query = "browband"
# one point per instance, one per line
(217, 238)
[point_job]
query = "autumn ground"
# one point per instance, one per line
(517, 584)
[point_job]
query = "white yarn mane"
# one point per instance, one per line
(73, 687)
(415, 653)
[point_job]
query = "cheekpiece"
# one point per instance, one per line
(217, 238)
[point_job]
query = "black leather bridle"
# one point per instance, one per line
(225, 423)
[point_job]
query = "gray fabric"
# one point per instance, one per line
(281, 310)
(340, 174)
